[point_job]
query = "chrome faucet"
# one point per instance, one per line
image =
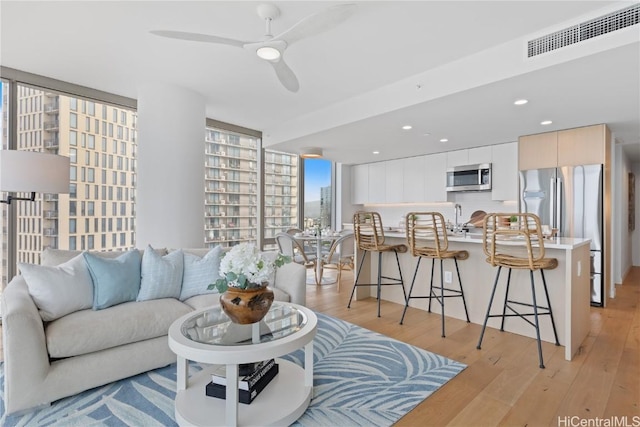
(458, 212)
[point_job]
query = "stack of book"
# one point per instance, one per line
(249, 385)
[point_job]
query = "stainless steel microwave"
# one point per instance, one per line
(469, 177)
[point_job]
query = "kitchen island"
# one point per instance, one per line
(569, 286)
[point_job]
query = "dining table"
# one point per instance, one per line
(318, 239)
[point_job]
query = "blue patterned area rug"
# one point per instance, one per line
(361, 378)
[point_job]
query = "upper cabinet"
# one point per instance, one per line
(457, 158)
(538, 151)
(435, 178)
(413, 169)
(570, 147)
(480, 155)
(359, 184)
(394, 181)
(504, 171)
(377, 182)
(582, 146)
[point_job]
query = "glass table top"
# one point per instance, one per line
(214, 327)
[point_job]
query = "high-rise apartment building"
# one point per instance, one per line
(231, 189)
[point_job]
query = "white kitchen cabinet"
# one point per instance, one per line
(435, 178)
(394, 181)
(480, 155)
(377, 182)
(504, 171)
(457, 158)
(413, 170)
(359, 184)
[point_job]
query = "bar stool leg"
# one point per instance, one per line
(535, 316)
(442, 297)
(379, 280)
(486, 318)
(461, 290)
(506, 300)
(406, 305)
(431, 294)
(404, 293)
(553, 323)
(353, 291)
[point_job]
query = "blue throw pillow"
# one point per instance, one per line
(115, 280)
(161, 275)
(199, 273)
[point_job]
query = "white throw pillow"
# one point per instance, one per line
(161, 275)
(199, 273)
(58, 291)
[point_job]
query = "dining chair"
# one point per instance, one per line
(369, 235)
(340, 254)
(518, 244)
(427, 238)
(289, 246)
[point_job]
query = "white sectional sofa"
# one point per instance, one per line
(54, 351)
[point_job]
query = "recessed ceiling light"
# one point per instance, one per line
(546, 122)
(406, 127)
(444, 140)
(521, 102)
(376, 152)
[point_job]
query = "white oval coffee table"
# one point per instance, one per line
(208, 336)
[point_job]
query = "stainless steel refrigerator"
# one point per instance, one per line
(570, 198)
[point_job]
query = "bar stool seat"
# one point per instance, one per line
(498, 246)
(369, 235)
(427, 238)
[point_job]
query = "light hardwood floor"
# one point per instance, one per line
(503, 384)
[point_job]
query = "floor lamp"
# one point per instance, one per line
(28, 172)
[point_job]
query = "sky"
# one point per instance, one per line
(317, 174)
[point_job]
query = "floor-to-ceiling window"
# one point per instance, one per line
(99, 138)
(232, 189)
(318, 194)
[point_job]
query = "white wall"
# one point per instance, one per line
(623, 239)
(170, 169)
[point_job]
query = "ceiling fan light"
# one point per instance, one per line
(311, 153)
(268, 53)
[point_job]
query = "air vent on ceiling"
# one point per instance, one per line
(585, 30)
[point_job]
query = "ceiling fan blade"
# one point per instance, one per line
(317, 23)
(198, 37)
(285, 75)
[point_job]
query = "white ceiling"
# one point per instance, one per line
(450, 69)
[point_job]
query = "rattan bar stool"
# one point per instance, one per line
(518, 246)
(369, 234)
(427, 238)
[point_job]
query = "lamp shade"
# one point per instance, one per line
(31, 171)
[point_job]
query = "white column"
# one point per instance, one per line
(170, 167)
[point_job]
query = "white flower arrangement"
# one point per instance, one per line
(244, 267)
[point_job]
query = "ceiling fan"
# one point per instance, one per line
(270, 48)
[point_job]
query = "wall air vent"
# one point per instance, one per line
(585, 30)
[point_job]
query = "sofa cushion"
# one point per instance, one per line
(87, 331)
(58, 291)
(114, 280)
(200, 272)
(161, 275)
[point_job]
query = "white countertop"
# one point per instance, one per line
(555, 243)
